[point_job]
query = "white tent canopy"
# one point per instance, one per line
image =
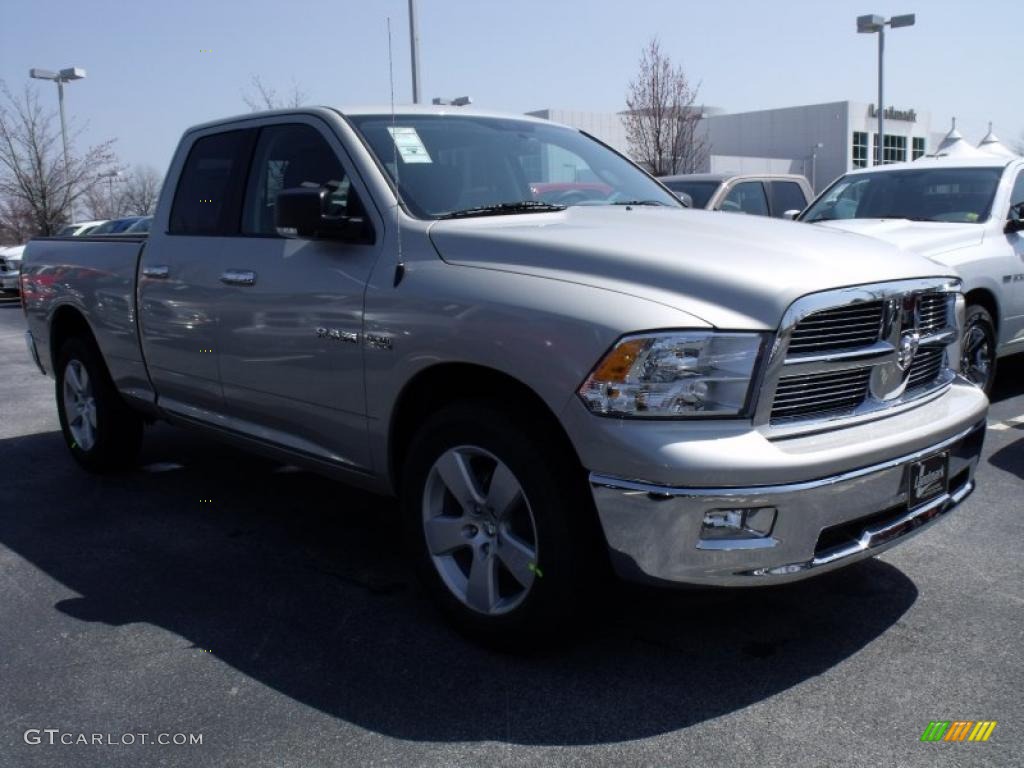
(992, 145)
(955, 145)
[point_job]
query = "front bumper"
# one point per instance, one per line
(9, 281)
(654, 530)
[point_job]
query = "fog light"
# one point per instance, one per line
(738, 523)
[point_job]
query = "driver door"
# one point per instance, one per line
(291, 313)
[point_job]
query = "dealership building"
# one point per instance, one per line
(819, 141)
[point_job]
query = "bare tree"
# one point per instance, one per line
(103, 199)
(33, 179)
(16, 223)
(141, 190)
(265, 97)
(662, 117)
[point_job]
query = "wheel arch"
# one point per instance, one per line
(445, 383)
(67, 322)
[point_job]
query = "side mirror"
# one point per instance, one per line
(792, 213)
(305, 210)
(1016, 221)
(684, 198)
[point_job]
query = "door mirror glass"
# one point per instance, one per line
(310, 212)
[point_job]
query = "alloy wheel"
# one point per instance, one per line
(79, 405)
(480, 531)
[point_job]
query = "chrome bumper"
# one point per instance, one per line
(653, 531)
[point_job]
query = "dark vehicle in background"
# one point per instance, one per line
(140, 226)
(116, 226)
(767, 194)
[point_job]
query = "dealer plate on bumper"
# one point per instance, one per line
(927, 479)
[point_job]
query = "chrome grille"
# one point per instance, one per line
(932, 312)
(926, 367)
(841, 354)
(856, 325)
(820, 393)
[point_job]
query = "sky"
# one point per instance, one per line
(155, 68)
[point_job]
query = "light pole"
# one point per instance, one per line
(110, 176)
(64, 76)
(814, 165)
(414, 45)
(868, 25)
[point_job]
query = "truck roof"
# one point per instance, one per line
(382, 109)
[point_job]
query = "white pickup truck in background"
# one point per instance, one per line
(962, 212)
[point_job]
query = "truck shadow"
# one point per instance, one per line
(300, 584)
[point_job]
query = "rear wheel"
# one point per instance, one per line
(500, 521)
(978, 348)
(101, 431)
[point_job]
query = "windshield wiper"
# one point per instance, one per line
(638, 202)
(919, 218)
(498, 209)
(821, 218)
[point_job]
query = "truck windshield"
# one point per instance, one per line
(926, 194)
(699, 191)
(461, 165)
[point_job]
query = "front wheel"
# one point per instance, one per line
(978, 348)
(101, 431)
(500, 520)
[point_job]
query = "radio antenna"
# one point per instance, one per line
(400, 266)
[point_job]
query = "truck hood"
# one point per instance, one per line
(929, 238)
(730, 270)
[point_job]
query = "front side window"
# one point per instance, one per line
(699, 191)
(289, 156)
(933, 194)
(208, 197)
(1017, 194)
(786, 196)
(746, 197)
(450, 165)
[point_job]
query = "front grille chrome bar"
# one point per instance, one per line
(927, 307)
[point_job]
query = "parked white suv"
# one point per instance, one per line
(966, 213)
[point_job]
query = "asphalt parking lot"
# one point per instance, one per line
(269, 611)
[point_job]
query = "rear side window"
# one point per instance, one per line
(209, 195)
(786, 196)
(746, 197)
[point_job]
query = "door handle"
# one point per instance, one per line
(156, 272)
(238, 277)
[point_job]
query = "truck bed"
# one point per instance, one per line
(95, 275)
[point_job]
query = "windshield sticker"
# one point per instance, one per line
(409, 145)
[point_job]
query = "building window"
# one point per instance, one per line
(895, 148)
(918, 148)
(860, 149)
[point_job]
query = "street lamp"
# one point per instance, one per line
(814, 163)
(868, 25)
(110, 176)
(459, 101)
(64, 76)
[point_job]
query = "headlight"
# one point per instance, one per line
(675, 374)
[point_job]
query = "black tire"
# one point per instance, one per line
(568, 555)
(978, 348)
(117, 435)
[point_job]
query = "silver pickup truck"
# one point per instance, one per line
(549, 388)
